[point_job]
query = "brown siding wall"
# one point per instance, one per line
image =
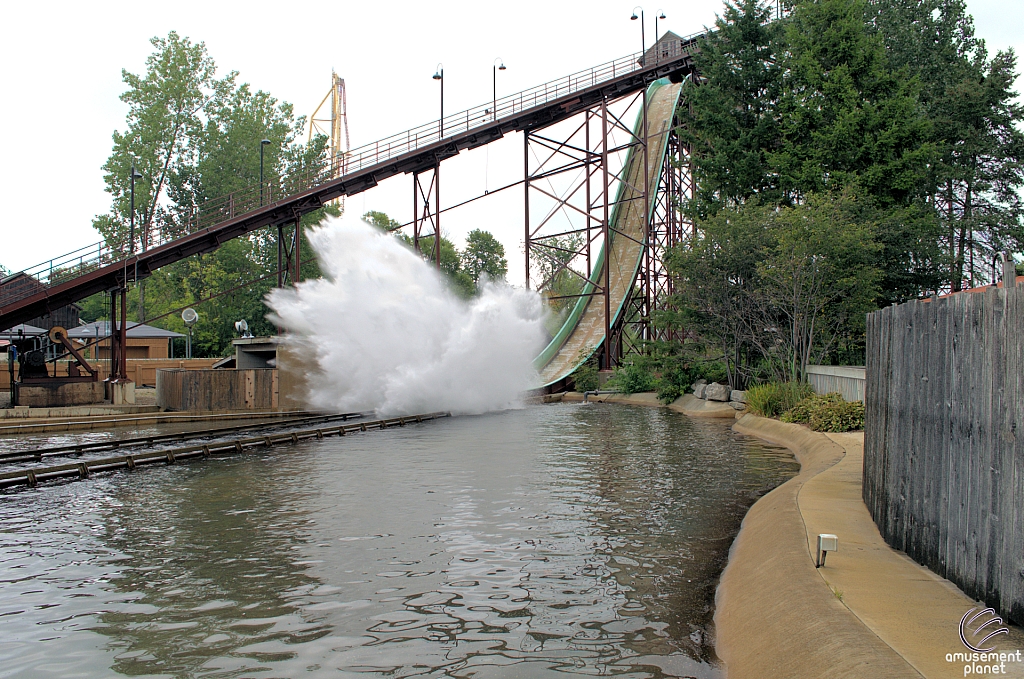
(202, 390)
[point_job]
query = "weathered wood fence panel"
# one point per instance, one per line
(845, 379)
(944, 439)
(202, 390)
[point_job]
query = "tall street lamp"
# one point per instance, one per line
(263, 143)
(659, 15)
(643, 39)
(131, 231)
(439, 75)
(494, 84)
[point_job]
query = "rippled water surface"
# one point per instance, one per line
(554, 540)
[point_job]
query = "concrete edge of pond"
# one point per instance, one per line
(687, 404)
(775, 616)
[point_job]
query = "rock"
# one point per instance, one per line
(698, 390)
(717, 392)
(738, 396)
(737, 405)
(697, 384)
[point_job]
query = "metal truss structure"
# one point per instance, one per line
(426, 209)
(590, 158)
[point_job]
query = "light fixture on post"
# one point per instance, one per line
(189, 317)
(131, 230)
(643, 38)
(263, 143)
(494, 85)
(659, 15)
(439, 75)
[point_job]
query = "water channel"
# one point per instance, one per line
(549, 541)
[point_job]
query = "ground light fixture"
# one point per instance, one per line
(263, 143)
(826, 543)
(439, 75)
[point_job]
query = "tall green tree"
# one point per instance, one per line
(484, 255)
(976, 127)
(163, 135)
(732, 124)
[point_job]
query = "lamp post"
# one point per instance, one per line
(263, 143)
(659, 15)
(439, 75)
(131, 230)
(494, 85)
(643, 39)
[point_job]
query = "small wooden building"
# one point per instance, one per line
(144, 341)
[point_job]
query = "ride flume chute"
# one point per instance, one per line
(583, 331)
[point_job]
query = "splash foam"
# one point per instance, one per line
(385, 333)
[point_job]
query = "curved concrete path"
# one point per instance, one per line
(871, 612)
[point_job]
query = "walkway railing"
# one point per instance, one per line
(184, 220)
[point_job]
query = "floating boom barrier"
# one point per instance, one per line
(82, 470)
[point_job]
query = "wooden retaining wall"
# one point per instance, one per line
(944, 439)
(203, 390)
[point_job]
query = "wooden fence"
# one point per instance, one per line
(848, 380)
(944, 439)
(216, 390)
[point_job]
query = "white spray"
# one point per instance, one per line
(386, 334)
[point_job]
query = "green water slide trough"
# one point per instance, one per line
(583, 330)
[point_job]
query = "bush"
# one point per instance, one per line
(632, 378)
(585, 376)
(713, 371)
(774, 398)
(827, 412)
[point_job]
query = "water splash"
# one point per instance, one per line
(381, 330)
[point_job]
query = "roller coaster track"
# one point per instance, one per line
(203, 228)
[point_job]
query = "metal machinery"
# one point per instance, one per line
(32, 363)
(595, 95)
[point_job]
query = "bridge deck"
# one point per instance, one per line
(68, 279)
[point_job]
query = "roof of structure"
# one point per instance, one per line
(22, 330)
(135, 331)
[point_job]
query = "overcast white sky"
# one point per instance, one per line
(61, 65)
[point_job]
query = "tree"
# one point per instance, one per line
(975, 123)
(162, 137)
(816, 281)
(714, 278)
(731, 120)
(484, 255)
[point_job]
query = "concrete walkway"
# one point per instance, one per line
(871, 612)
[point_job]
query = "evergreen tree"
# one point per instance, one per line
(731, 122)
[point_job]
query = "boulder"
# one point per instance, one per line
(699, 389)
(737, 405)
(717, 392)
(697, 384)
(738, 396)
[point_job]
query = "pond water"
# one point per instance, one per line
(552, 540)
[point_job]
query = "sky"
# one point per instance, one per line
(61, 64)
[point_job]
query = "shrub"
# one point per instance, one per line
(774, 398)
(585, 376)
(713, 371)
(802, 412)
(827, 412)
(632, 378)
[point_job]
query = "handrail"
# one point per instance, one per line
(185, 220)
